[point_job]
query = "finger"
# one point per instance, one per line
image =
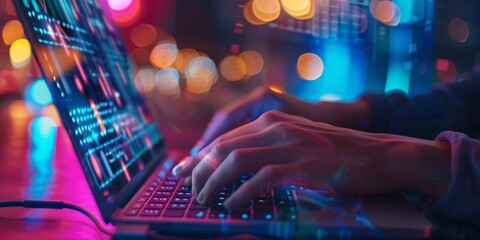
(227, 118)
(185, 168)
(239, 162)
(219, 153)
(187, 181)
(267, 178)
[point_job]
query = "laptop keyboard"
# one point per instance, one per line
(168, 198)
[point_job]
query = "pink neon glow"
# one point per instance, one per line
(96, 167)
(62, 36)
(105, 83)
(125, 170)
(97, 115)
(120, 5)
(79, 85)
(127, 15)
(80, 68)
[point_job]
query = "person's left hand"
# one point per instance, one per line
(282, 148)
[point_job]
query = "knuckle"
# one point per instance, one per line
(220, 150)
(236, 157)
(270, 116)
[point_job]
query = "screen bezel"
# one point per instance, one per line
(106, 208)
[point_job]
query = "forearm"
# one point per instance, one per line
(416, 166)
(355, 115)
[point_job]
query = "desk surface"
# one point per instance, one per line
(37, 162)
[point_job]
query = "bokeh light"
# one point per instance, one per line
(187, 55)
(386, 12)
(275, 88)
(446, 70)
(167, 81)
(18, 109)
(253, 61)
(458, 30)
(299, 9)
(201, 74)
(12, 31)
(330, 97)
(120, 5)
(310, 66)
(20, 53)
(51, 112)
(164, 54)
(39, 93)
(233, 68)
(144, 80)
(143, 35)
(266, 10)
(250, 16)
(125, 12)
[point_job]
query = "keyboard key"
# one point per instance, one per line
(146, 193)
(150, 212)
(155, 206)
(158, 200)
(173, 213)
(216, 214)
(180, 200)
(241, 213)
(183, 194)
(262, 201)
(287, 215)
(163, 194)
(177, 206)
(172, 178)
(263, 212)
(150, 188)
(170, 183)
(196, 213)
(137, 205)
(185, 189)
(166, 188)
(141, 199)
(132, 212)
(198, 206)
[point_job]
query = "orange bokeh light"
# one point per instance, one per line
(300, 9)
(143, 35)
(309, 66)
(233, 68)
(12, 31)
(266, 10)
(201, 74)
(164, 54)
(253, 61)
(250, 16)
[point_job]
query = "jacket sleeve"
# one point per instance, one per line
(462, 201)
(449, 107)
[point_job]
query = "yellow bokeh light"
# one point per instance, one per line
(253, 61)
(310, 66)
(167, 81)
(250, 16)
(201, 74)
(18, 109)
(12, 31)
(20, 53)
(143, 35)
(297, 8)
(164, 55)
(266, 10)
(233, 68)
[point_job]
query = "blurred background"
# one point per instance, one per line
(331, 50)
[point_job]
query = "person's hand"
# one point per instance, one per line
(247, 109)
(282, 148)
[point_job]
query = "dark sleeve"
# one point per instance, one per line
(450, 107)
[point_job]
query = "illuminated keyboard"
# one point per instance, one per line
(168, 198)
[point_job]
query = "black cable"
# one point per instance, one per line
(56, 205)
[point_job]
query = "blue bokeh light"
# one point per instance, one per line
(39, 93)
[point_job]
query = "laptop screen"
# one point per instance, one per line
(83, 59)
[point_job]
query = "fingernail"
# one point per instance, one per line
(178, 169)
(230, 204)
(194, 150)
(201, 197)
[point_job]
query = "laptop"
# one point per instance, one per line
(126, 163)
